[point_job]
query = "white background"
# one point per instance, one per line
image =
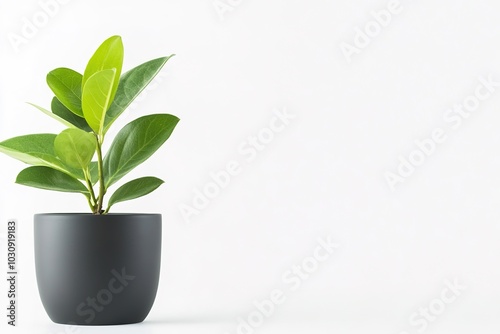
(324, 174)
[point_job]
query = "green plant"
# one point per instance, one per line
(88, 105)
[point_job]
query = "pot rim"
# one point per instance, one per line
(88, 214)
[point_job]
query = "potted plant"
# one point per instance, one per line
(96, 268)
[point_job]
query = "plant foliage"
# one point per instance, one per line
(88, 104)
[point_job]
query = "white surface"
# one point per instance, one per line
(322, 175)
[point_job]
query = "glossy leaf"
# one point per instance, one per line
(50, 179)
(67, 86)
(135, 143)
(132, 83)
(97, 98)
(37, 150)
(135, 189)
(54, 116)
(64, 113)
(75, 147)
(108, 56)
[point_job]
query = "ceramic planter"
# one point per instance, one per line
(97, 269)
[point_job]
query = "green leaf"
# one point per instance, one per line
(94, 172)
(135, 143)
(75, 147)
(61, 111)
(67, 86)
(54, 116)
(108, 56)
(135, 189)
(132, 83)
(50, 179)
(97, 98)
(37, 150)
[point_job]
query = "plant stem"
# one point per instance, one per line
(86, 173)
(102, 189)
(92, 206)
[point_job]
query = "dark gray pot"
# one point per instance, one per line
(97, 269)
